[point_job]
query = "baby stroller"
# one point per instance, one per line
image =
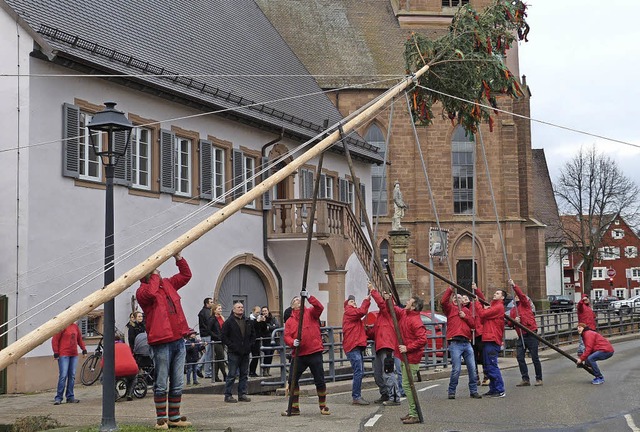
(146, 370)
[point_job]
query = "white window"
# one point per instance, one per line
(598, 273)
(462, 158)
(141, 158)
(328, 187)
(183, 166)
(375, 137)
(609, 253)
(88, 162)
(636, 291)
(217, 188)
(630, 251)
(617, 233)
(597, 293)
(635, 273)
(351, 196)
(620, 292)
(249, 164)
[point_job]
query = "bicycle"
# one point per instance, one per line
(92, 366)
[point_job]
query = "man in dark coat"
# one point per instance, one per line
(238, 334)
(204, 323)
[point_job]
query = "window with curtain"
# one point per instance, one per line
(375, 137)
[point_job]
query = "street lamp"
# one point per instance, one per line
(117, 130)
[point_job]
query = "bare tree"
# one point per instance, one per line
(593, 191)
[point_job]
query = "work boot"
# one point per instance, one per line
(538, 383)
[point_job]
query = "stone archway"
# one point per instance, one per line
(462, 255)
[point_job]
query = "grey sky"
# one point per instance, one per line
(581, 63)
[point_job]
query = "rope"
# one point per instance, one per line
(426, 175)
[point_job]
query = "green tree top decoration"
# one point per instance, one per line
(467, 62)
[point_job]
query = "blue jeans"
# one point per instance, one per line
(207, 358)
(490, 353)
(357, 364)
(591, 361)
(238, 366)
(67, 375)
(459, 350)
(531, 344)
(399, 381)
(168, 361)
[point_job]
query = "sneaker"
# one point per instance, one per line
(294, 412)
(196, 383)
(57, 402)
(538, 383)
(359, 402)
(244, 398)
(230, 399)
(488, 394)
(391, 403)
(598, 381)
(523, 383)
(199, 373)
(381, 399)
(405, 417)
(475, 396)
(451, 396)
(498, 395)
(253, 375)
(77, 400)
(411, 420)
(180, 423)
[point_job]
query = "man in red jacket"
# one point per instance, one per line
(308, 349)
(585, 315)
(459, 325)
(354, 342)
(385, 363)
(65, 350)
(414, 336)
(523, 314)
(492, 335)
(596, 347)
(166, 327)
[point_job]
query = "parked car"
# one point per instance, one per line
(560, 303)
(603, 302)
(428, 321)
(626, 306)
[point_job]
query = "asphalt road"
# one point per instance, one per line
(567, 401)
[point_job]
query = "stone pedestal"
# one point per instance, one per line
(399, 242)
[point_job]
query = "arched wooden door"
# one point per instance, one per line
(242, 283)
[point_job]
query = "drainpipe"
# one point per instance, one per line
(265, 249)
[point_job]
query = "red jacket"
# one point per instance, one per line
(311, 340)
(492, 322)
(527, 317)
(456, 326)
(414, 334)
(385, 333)
(352, 326)
(125, 364)
(160, 303)
(594, 341)
(586, 315)
(66, 343)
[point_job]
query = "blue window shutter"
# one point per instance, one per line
(342, 186)
(70, 141)
(266, 173)
(238, 174)
(206, 161)
(322, 193)
(122, 172)
(167, 161)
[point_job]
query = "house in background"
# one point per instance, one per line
(215, 94)
(617, 269)
(344, 42)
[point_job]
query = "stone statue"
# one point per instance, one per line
(398, 206)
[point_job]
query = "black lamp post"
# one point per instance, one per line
(117, 129)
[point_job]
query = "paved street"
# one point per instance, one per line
(566, 402)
